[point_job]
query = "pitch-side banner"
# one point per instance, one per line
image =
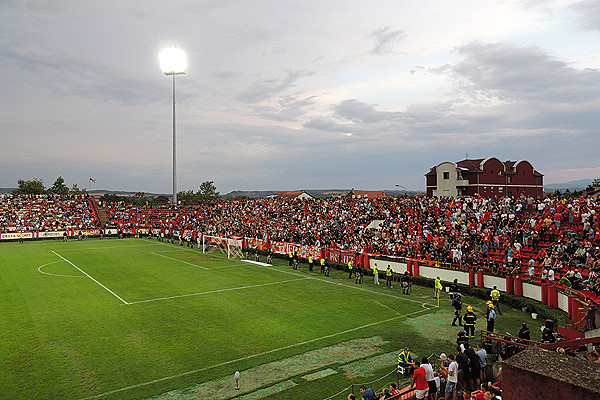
(341, 257)
(16, 235)
(302, 250)
(56, 234)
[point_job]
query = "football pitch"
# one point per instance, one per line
(136, 318)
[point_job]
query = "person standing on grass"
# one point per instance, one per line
(495, 295)
(322, 265)
(491, 318)
(388, 277)
(438, 287)
(349, 269)
(470, 320)
(375, 275)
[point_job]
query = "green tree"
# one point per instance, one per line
(139, 197)
(75, 190)
(187, 196)
(208, 192)
(36, 186)
(59, 186)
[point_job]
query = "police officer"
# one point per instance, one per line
(405, 282)
(358, 274)
(457, 304)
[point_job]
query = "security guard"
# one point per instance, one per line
(349, 269)
(375, 275)
(291, 256)
(310, 263)
(388, 277)
(470, 319)
(405, 362)
(495, 295)
(438, 287)
(322, 265)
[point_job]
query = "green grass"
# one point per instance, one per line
(125, 319)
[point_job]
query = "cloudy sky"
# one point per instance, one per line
(296, 94)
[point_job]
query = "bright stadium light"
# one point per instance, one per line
(173, 62)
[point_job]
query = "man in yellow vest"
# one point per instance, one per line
(388, 277)
(438, 287)
(291, 257)
(495, 295)
(349, 269)
(310, 263)
(375, 275)
(405, 362)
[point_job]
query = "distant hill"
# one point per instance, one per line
(578, 185)
(318, 193)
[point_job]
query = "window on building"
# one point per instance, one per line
(500, 172)
(446, 175)
(510, 179)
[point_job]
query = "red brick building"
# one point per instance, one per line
(487, 177)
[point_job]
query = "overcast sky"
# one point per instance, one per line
(296, 94)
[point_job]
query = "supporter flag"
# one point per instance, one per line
(92, 180)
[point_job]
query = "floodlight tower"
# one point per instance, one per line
(173, 62)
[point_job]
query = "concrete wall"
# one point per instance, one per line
(531, 291)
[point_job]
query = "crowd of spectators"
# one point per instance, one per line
(548, 239)
(47, 212)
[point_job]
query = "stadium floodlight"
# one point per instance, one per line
(237, 380)
(173, 62)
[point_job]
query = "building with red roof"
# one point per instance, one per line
(486, 177)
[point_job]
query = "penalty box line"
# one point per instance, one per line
(97, 396)
(215, 291)
(92, 278)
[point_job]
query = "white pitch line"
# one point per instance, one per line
(216, 291)
(181, 261)
(92, 278)
(63, 276)
(250, 356)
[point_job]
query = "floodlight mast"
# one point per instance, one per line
(173, 62)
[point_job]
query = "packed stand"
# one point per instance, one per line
(47, 212)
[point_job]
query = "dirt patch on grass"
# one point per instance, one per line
(277, 371)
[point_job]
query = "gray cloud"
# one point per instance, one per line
(264, 89)
(589, 14)
(523, 73)
(385, 39)
(286, 109)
